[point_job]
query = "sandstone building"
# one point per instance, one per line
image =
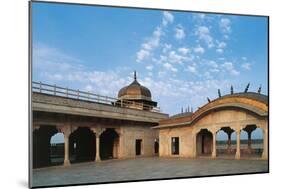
(97, 127)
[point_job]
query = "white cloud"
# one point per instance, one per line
(149, 67)
(150, 44)
(166, 47)
(199, 49)
(167, 18)
(219, 51)
(214, 70)
(176, 58)
(244, 58)
(220, 47)
(179, 32)
(142, 54)
(203, 34)
(200, 15)
(170, 67)
(183, 50)
(108, 82)
(225, 25)
(89, 88)
(212, 63)
(161, 74)
(229, 67)
(246, 66)
(221, 44)
(191, 69)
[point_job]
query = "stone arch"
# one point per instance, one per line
(225, 141)
(253, 144)
(203, 142)
(82, 145)
(57, 148)
(109, 144)
(41, 145)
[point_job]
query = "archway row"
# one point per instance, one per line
(251, 142)
(49, 147)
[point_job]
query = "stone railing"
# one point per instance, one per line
(88, 96)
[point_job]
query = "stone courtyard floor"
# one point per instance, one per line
(141, 169)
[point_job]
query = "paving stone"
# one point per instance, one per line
(143, 168)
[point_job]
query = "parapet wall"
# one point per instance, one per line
(57, 104)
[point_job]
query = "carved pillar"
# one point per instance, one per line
(97, 147)
(66, 150)
(237, 155)
(66, 131)
(194, 150)
(265, 144)
(214, 152)
(229, 142)
(117, 143)
(98, 131)
(249, 141)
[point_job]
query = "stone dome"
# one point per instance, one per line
(134, 91)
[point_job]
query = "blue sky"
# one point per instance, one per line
(182, 57)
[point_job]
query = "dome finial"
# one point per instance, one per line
(259, 90)
(135, 75)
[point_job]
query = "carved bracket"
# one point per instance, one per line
(98, 130)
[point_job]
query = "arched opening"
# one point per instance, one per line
(251, 141)
(225, 142)
(41, 145)
(156, 146)
(257, 142)
(82, 145)
(57, 149)
(204, 143)
(109, 144)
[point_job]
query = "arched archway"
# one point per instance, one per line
(257, 142)
(82, 145)
(57, 149)
(156, 146)
(109, 144)
(41, 145)
(251, 141)
(204, 143)
(225, 142)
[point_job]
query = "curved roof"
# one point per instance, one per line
(134, 89)
(251, 95)
(255, 103)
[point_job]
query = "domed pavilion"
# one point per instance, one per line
(136, 96)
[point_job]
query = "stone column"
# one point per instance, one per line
(229, 142)
(214, 152)
(66, 150)
(265, 144)
(194, 146)
(98, 131)
(66, 132)
(97, 147)
(249, 141)
(237, 155)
